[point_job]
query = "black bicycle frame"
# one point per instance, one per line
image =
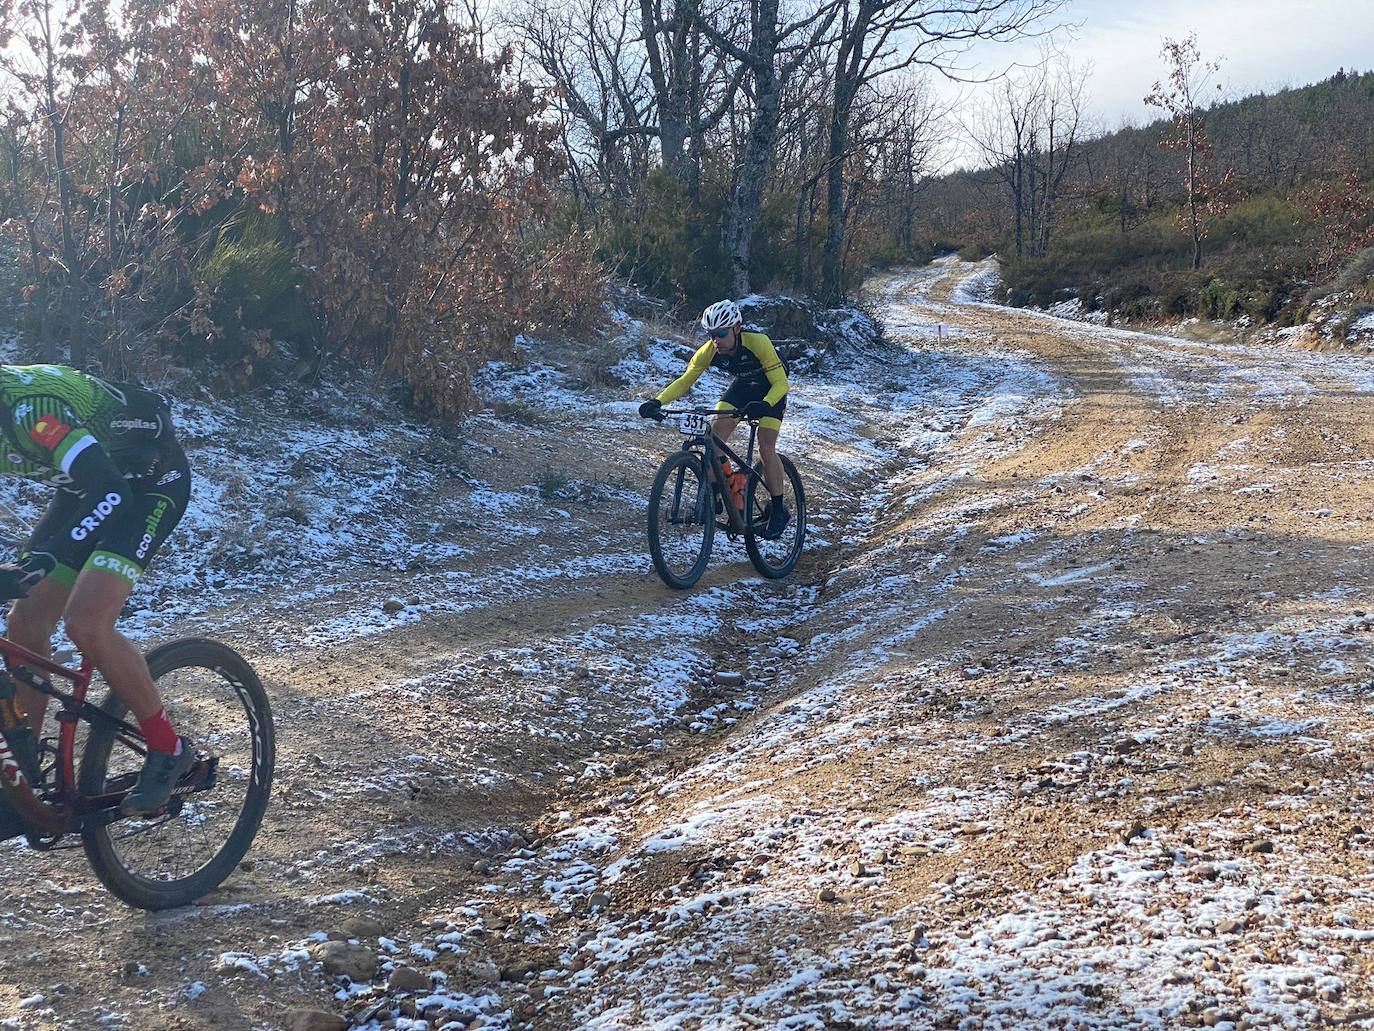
(713, 445)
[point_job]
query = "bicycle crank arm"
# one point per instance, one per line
(202, 777)
(17, 787)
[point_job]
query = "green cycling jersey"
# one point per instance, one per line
(53, 415)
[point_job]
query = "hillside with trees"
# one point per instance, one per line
(250, 191)
(1256, 207)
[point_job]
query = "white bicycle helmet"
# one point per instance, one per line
(721, 315)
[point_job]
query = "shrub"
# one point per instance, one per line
(250, 292)
(1260, 221)
(666, 245)
(1357, 275)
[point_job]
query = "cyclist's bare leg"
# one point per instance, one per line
(95, 604)
(721, 427)
(772, 465)
(31, 624)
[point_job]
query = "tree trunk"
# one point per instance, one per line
(832, 257)
(763, 131)
(73, 303)
(1018, 199)
(1192, 200)
(671, 82)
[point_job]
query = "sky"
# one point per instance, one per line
(1263, 45)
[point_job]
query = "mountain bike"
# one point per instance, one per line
(168, 858)
(691, 499)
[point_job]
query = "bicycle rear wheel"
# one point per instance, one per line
(775, 557)
(681, 520)
(172, 859)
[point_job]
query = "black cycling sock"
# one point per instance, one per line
(777, 502)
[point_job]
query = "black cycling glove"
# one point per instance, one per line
(651, 409)
(756, 410)
(17, 580)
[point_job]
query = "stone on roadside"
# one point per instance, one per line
(827, 895)
(313, 1020)
(519, 971)
(345, 959)
(484, 971)
(392, 606)
(1135, 830)
(408, 979)
(728, 678)
(362, 927)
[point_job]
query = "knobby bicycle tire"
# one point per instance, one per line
(752, 543)
(688, 464)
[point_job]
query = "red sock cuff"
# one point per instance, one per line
(158, 732)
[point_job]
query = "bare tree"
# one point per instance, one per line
(1028, 134)
(1001, 129)
(879, 37)
(592, 55)
(1181, 95)
(628, 70)
(775, 49)
(907, 159)
(44, 31)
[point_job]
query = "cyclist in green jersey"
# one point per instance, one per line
(758, 389)
(123, 484)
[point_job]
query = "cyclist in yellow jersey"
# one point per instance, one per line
(759, 390)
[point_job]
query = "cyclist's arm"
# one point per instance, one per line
(699, 363)
(773, 368)
(53, 436)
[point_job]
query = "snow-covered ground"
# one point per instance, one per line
(1060, 723)
(1005, 775)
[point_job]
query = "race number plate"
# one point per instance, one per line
(694, 425)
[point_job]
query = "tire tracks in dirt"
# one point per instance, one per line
(1073, 734)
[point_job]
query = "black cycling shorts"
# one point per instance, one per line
(746, 389)
(130, 535)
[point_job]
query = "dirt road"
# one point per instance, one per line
(1063, 723)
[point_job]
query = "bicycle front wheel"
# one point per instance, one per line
(173, 858)
(681, 520)
(775, 557)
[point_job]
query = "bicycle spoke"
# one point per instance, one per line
(776, 555)
(208, 711)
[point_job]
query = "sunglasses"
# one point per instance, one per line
(720, 334)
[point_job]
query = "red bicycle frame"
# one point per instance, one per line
(35, 671)
(62, 809)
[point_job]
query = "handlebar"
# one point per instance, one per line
(731, 413)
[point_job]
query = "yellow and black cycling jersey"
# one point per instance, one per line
(753, 362)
